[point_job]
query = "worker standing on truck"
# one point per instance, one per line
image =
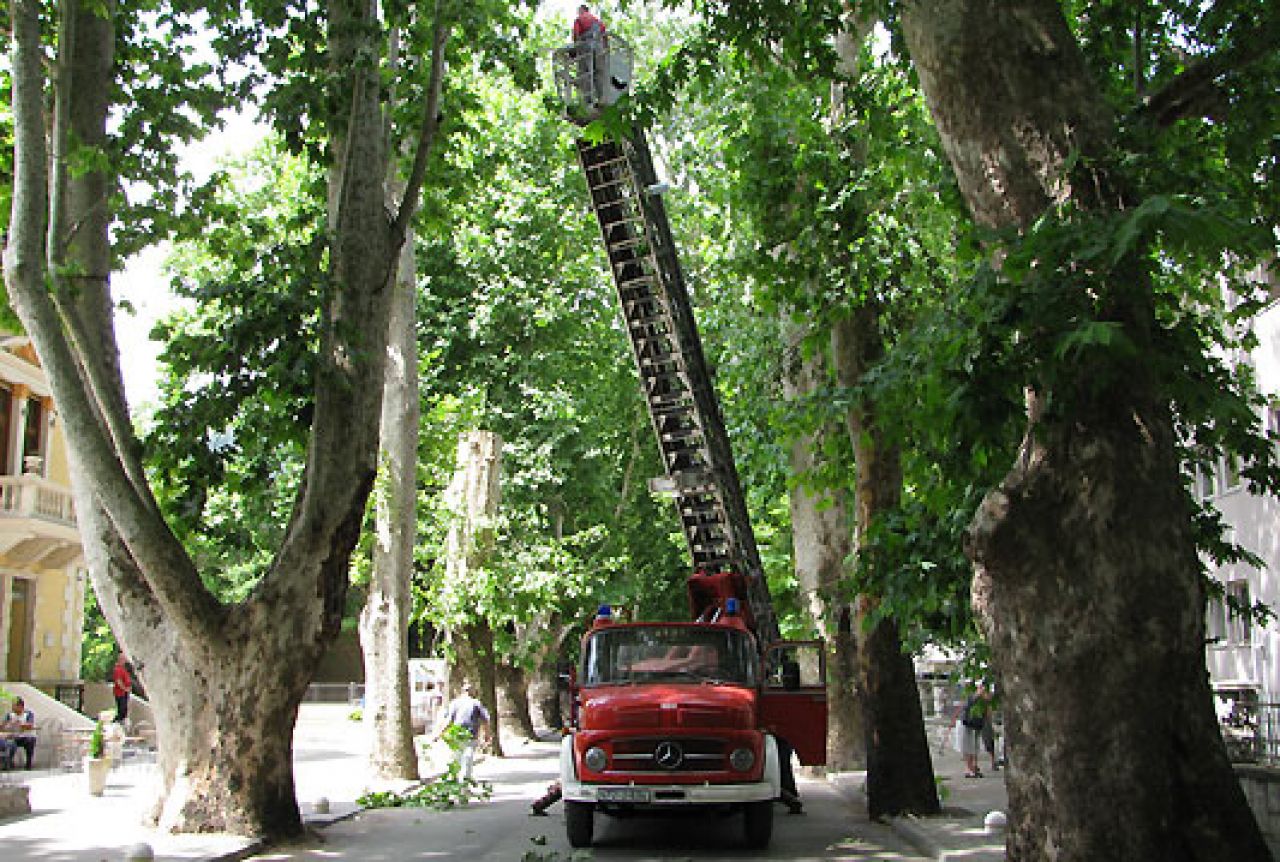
(590, 45)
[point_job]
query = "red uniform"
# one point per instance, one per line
(121, 685)
(587, 26)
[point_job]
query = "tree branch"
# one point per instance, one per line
(427, 132)
(30, 263)
(1200, 90)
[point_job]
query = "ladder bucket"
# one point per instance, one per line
(591, 75)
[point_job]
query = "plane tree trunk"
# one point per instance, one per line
(225, 681)
(900, 776)
(822, 534)
(899, 769)
(473, 497)
(513, 700)
(384, 620)
(545, 687)
(1086, 573)
(476, 660)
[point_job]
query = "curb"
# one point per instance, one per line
(315, 822)
(258, 846)
(963, 836)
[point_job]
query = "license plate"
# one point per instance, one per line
(623, 794)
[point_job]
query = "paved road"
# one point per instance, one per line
(501, 829)
(68, 825)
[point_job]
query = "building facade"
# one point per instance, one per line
(42, 572)
(1243, 656)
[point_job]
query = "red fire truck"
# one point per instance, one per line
(678, 714)
(675, 714)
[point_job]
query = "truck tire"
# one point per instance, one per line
(578, 817)
(757, 823)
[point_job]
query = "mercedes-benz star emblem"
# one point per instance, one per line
(668, 754)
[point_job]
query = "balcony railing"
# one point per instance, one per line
(38, 498)
(1252, 732)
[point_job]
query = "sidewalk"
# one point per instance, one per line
(958, 833)
(69, 825)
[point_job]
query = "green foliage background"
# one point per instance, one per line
(785, 214)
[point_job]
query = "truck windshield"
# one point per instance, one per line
(629, 654)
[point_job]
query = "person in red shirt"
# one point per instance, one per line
(121, 686)
(586, 25)
(589, 39)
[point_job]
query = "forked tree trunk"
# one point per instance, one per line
(225, 682)
(1086, 573)
(822, 538)
(899, 768)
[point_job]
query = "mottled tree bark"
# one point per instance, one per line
(225, 682)
(899, 768)
(478, 664)
(545, 688)
(513, 701)
(822, 538)
(1086, 575)
(473, 497)
(384, 620)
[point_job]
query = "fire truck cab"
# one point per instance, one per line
(678, 714)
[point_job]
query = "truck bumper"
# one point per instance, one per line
(663, 795)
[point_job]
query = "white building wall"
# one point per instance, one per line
(1247, 656)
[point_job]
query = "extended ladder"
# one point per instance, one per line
(673, 372)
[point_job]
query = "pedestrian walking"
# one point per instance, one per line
(466, 712)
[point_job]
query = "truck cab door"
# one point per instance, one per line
(793, 700)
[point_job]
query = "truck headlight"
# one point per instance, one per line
(595, 759)
(742, 759)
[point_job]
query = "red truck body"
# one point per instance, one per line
(676, 714)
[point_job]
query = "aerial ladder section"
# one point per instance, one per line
(626, 198)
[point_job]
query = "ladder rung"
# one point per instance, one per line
(650, 339)
(662, 412)
(607, 163)
(678, 381)
(646, 280)
(653, 320)
(658, 364)
(636, 222)
(677, 405)
(627, 244)
(612, 183)
(643, 288)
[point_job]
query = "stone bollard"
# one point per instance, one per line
(15, 799)
(995, 822)
(139, 853)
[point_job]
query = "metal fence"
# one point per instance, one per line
(1251, 731)
(351, 693)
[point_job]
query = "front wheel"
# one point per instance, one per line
(758, 823)
(578, 817)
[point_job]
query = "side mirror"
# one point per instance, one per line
(567, 678)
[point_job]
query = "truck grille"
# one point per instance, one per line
(668, 755)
